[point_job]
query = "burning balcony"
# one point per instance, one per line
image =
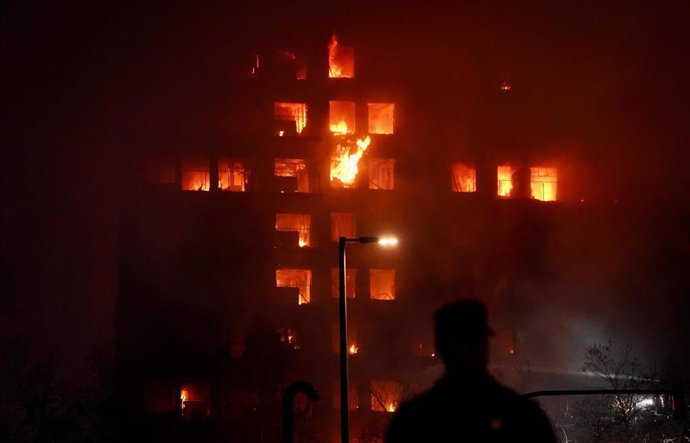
(341, 60)
(543, 183)
(296, 278)
(382, 174)
(195, 174)
(350, 282)
(464, 177)
(381, 118)
(385, 395)
(345, 160)
(505, 180)
(292, 167)
(382, 284)
(290, 118)
(233, 175)
(342, 117)
(194, 400)
(343, 225)
(300, 223)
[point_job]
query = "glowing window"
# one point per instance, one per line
(341, 60)
(194, 399)
(300, 223)
(544, 183)
(342, 225)
(464, 178)
(232, 176)
(382, 174)
(350, 282)
(505, 180)
(160, 170)
(342, 117)
(290, 118)
(385, 395)
(381, 118)
(293, 167)
(352, 395)
(345, 161)
(382, 284)
(352, 346)
(195, 174)
(296, 278)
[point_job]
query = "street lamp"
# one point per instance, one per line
(344, 394)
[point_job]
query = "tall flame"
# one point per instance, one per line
(334, 70)
(344, 163)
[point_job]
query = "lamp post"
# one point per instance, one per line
(344, 400)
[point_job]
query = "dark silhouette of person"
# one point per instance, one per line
(467, 404)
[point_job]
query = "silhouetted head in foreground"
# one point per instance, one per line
(467, 404)
(462, 337)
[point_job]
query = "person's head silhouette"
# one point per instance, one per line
(462, 336)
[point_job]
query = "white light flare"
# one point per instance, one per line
(388, 241)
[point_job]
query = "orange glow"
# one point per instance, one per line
(342, 117)
(382, 284)
(291, 118)
(344, 167)
(195, 174)
(544, 183)
(300, 223)
(194, 399)
(341, 60)
(353, 349)
(296, 278)
(343, 224)
(505, 180)
(385, 395)
(382, 174)
(184, 396)
(350, 279)
(232, 176)
(381, 118)
(505, 86)
(464, 178)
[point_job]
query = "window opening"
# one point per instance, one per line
(300, 223)
(296, 278)
(464, 178)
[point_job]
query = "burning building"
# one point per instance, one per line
(228, 267)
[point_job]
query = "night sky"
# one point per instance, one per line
(82, 82)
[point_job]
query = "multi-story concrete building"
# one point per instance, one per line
(229, 249)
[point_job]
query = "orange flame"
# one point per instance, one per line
(340, 128)
(354, 349)
(184, 396)
(334, 70)
(340, 60)
(390, 407)
(344, 163)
